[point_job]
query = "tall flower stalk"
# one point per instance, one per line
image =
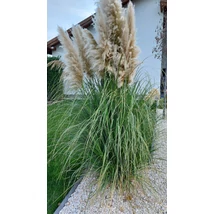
(73, 71)
(114, 52)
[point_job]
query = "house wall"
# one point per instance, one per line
(148, 17)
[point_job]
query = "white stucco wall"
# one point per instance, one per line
(148, 17)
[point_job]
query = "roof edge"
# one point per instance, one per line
(163, 5)
(84, 23)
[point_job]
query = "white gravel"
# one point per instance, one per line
(82, 202)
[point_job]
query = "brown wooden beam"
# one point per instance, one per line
(163, 5)
(49, 51)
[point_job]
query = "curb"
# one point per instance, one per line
(65, 200)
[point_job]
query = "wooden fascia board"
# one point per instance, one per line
(163, 5)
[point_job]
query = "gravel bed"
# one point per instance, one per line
(142, 202)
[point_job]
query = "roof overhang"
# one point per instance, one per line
(163, 6)
(51, 44)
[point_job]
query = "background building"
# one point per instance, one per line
(151, 36)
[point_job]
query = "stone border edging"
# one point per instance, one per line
(62, 204)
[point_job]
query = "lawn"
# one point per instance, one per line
(57, 188)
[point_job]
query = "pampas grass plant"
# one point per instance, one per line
(114, 52)
(111, 130)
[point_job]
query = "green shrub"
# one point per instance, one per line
(58, 120)
(54, 85)
(161, 103)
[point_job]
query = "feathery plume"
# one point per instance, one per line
(92, 52)
(115, 52)
(80, 43)
(132, 50)
(73, 72)
(104, 46)
(56, 63)
(109, 22)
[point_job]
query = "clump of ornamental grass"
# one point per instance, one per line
(54, 83)
(111, 130)
(111, 134)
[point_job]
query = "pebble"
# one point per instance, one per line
(80, 201)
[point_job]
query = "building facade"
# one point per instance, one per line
(150, 15)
